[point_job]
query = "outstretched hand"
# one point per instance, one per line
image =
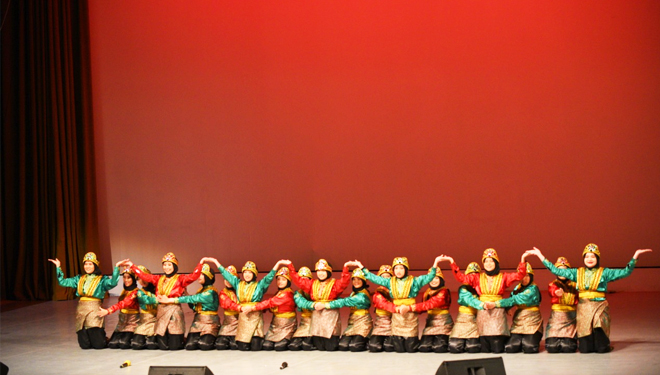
(122, 262)
(534, 251)
(102, 312)
(641, 251)
(55, 261)
(318, 306)
(445, 258)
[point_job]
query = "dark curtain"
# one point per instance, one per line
(48, 177)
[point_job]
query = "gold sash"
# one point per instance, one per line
(129, 311)
(92, 287)
(404, 301)
(589, 294)
(287, 315)
(401, 292)
(495, 286)
(562, 307)
(321, 290)
(246, 291)
(490, 297)
(593, 283)
(467, 310)
(437, 311)
(381, 312)
(165, 287)
(89, 299)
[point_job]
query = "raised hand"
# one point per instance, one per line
(641, 251)
(445, 258)
(536, 252)
(358, 264)
(55, 261)
(122, 262)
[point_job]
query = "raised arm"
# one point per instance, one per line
(231, 279)
(359, 300)
(443, 298)
(303, 283)
(344, 281)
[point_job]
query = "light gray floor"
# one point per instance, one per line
(39, 339)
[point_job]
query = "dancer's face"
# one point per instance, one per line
(386, 275)
(399, 271)
(143, 283)
(227, 284)
(322, 275)
(435, 282)
(248, 276)
(590, 260)
(281, 282)
(525, 280)
(200, 279)
(357, 282)
(489, 264)
(88, 267)
(128, 280)
(168, 267)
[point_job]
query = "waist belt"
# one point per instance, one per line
(322, 300)
(437, 311)
(287, 315)
(129, 311)
(560, 307)
(381, 312)
(89, 299)
(528, 308)
(150, 311)
(360, 312)
(230, 312)
(404, 301)
(490, 297)
(589, 294)
(248, 303)
(306, 313)
(208, 312)
(467, 310)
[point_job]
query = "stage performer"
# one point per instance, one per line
(464, 336)
(381, 335)
(593, 311)
(144, 336)
(527, 325)
(250, 331)
(561, 331)
(436, 302)
(91, 288)
(170, 324)
(403, 290)
(359, 321)
(283, 324)
(302, 339)
(206, 324)
(227, 334)
(490, 284)
(326, 325)
(129, 310)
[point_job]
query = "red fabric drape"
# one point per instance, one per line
(48, 176)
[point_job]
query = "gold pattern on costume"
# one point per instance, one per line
(166, 285)
(321, 290)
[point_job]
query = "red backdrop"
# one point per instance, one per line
(263, 130)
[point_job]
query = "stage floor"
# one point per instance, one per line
(39, 339)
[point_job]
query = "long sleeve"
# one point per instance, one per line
(129, 302)
(613, 274)
(231, 279)
(281, 302)
(529, 297)
(303, 302)
(185, 280)
(510, 278)
(569, 273)
(441, 299)
(227, 303)
(71, 282)
(108, 283)
(262, 286)
(465, 298)
(379, 280)
(471, 279)
(146, 299)
(303, 283)
(344, 281)
(153, 279)
(204, 297)
(381, 302)
(420, 281)
(358, 300)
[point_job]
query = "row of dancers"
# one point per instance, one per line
(151, 317)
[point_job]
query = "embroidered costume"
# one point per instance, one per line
(144, 336)
(206, 324)
(170, 325)
(405, 327)
(250, 331)
(283, 324)
(593, 311)
(439, 324)
(326, 325)
(561, 331)
(129, 310)
(229, 303)
(381, 335)
(91, 289)
(302, 338)
(359, 321)
(527, 326)
(493, 326)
